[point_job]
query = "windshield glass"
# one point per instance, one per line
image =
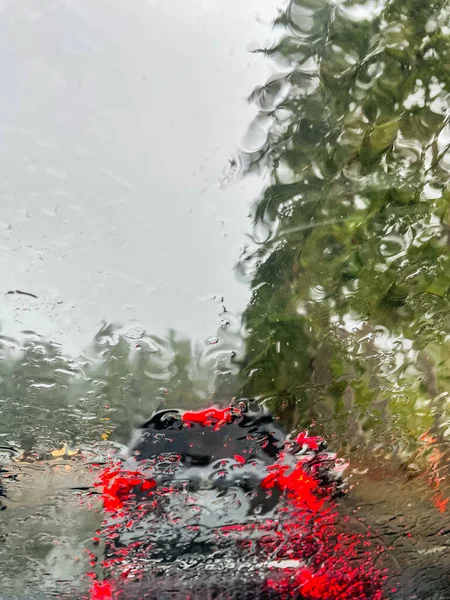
(225, 299)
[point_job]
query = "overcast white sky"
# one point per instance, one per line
(117, 120)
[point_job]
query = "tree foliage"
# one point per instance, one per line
(349, 322)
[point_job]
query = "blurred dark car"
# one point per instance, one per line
(220, 503)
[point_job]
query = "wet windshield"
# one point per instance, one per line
(234, 205)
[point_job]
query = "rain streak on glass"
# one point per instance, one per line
(125, 209)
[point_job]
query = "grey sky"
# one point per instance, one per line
(117, 120)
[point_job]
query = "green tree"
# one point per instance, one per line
(349, 317)
(48, 399)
